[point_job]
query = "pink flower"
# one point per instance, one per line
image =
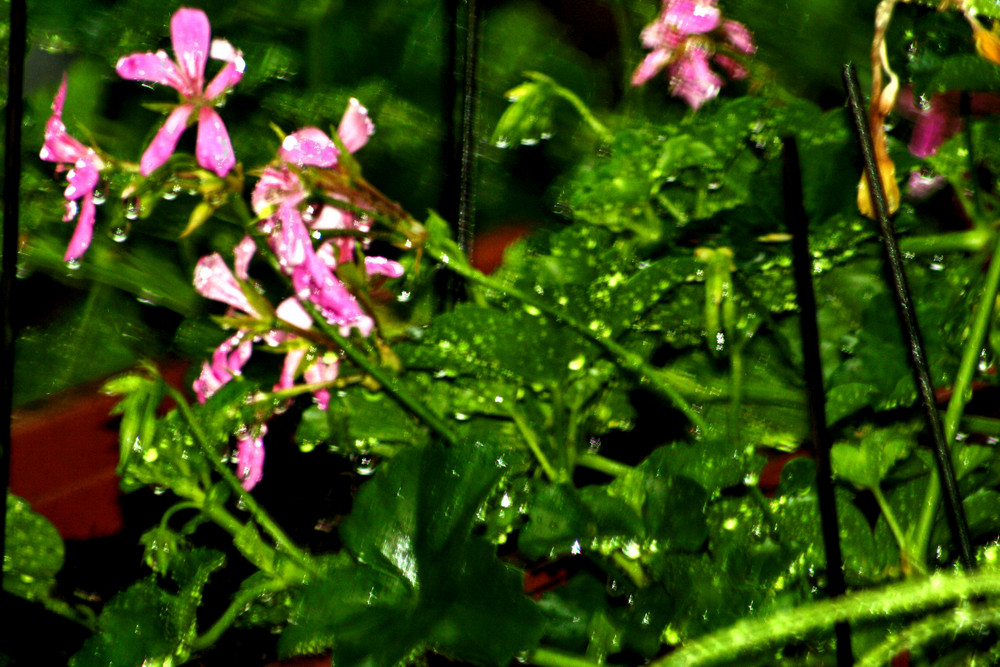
(250, 458)
(191, 33)
(679, 41)
(84, 173)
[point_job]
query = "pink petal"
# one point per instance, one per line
(291, 311)
(214, 280)
(322, 371)
(83, 177)
(244, 252)
(84, 231)
(206, 384)
(660, 35)
(273, 188)
(691, 17)
(692, 79)
(291, 243)
(232, 71)
(920, 187)
(59, 146)
(250, 459)
(650, 66)
(165, 142)
(155, 68)
(355, 127)
(309, 147)
(191, 35)
(213, 150)
(733, 69)
(290, 368)
(739, 36)
(383, 267)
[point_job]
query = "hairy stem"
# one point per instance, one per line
(792, 625)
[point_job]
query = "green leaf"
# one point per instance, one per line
(34, 552)
(421, 580)
(867, 461)
(145, 625)
(564, 520)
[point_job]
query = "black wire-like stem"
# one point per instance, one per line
(8, 247)
(798, 227)
(908, 319)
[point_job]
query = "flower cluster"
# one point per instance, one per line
(294, 215)
(683, 38)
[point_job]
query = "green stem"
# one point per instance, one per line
(388, 382)
(961, 393)
(602, 464)
(972, 240)
(238, 606)
(532, 441)
(659, 380)
(245, 538)
(249, 502)
(932, 629)
(983, 425)
(546, 657)
(581, 108)
(906, 597)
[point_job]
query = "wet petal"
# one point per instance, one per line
(155, 68)
(191, 35)
(84, 231)
(382, 266)
(692, 17)
(244, 252)
(82, 178)
(273, 188)
(165, 141)
(733, 69)
(213, 150)
(309, 146)
(692, 78)
(291, 311)
(739, 36)
(355, 127)
(650, 66)
(250, 459)
(214, 280)
(290, 368)
(232, 71)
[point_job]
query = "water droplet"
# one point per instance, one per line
(172, 192)
(365, 465)
(133, 208)
(100, 196)
(120, 233)
(73, 263)
(403, 297)
(461, 416)
(503, 142)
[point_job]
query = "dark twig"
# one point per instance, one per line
(908, 319)
(798, 227)
(11, 213)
